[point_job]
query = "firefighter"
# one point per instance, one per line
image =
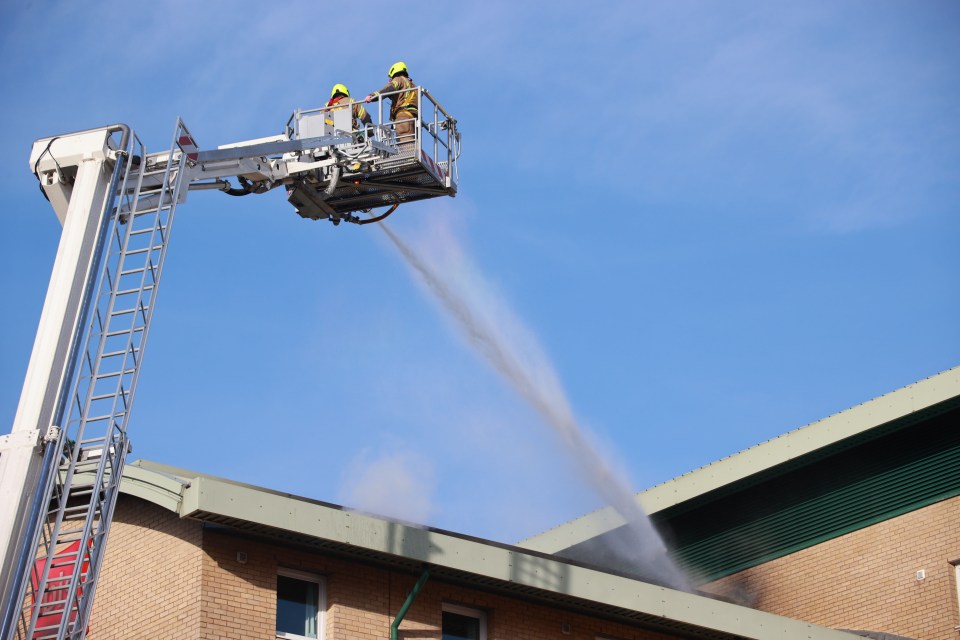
(403, 107)
(340, 94)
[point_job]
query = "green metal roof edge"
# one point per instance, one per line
(153, 485)
(862, 418)
(205, 497)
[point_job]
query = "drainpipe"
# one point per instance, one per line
(395, 627)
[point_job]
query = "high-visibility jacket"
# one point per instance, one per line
(406, 101)
(359, 113)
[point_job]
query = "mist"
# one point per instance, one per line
(397, 484)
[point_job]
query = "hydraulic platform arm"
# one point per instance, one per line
(60, 466)
(331, 171)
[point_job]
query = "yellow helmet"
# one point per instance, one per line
(398, 67)
(340, 88)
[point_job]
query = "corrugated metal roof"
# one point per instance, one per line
(457, 558)
(919, 401)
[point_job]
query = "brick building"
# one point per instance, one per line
(850, 523)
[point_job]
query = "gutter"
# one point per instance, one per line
(395, 626)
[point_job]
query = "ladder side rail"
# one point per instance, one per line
(91, 357)
(90, 543)
(97, 552)
(100, 320)
(33, 586)
(105, 328)
(115, 448)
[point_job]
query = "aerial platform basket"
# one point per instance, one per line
(375, 168)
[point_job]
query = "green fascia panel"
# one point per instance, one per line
(884, 494)
(161, 489)
(811, 542)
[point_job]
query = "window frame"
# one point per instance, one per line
(469, 612)
(956, 585)
(321, 583)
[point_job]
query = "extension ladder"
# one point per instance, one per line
(92, 443)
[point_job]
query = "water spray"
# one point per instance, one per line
(534, 380)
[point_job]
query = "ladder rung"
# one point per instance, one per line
(54, 607)
(79, 489)
(86, 471)
(134, 252)
(124, 312)
(120, 332)
(51, 628)
(126, 292)
(139, 232)
(99, 418)
(105, 396)
(86, 488)
(80, 515)
(77, 509)
(105, 376)
(82, 464)
(59, 579)
(83, 489)
(121, 352)
(161, 168)
(66, 537)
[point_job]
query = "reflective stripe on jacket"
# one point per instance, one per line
(406, 101)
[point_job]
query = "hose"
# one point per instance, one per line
(334, 179)
(246, 187)
(380, 217)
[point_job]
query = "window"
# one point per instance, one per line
(956, 582)
(461, 623)
(300, 605)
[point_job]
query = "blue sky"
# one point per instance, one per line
(719, 221)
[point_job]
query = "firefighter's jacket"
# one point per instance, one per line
(406, 101)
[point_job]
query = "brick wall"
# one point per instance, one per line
(167, 578)
(507, 618)
(240, 599)
(866, 579)
(149, 584)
